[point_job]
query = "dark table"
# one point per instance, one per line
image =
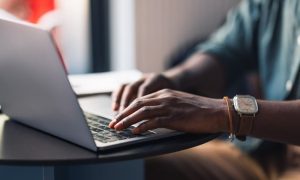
(23, 146)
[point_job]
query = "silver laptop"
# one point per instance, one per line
(35, 91)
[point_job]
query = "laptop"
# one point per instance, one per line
(35, 91)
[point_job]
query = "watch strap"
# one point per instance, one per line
(236, 125)
(235, 120)
(246, 125)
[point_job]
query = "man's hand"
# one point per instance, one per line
(149, 83)
(174, 110)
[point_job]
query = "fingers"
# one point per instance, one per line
(151, 124)
(129, 93)
(144, 89)
(147, 112)
(153, 99)
(154, 94)
(151, 84)
(116, 97)
(134, 106)
(146, 85)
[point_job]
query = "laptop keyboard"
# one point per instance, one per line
(101, 132)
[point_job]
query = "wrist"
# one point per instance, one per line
(233, 120)
(222, 117)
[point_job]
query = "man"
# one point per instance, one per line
(259, 35)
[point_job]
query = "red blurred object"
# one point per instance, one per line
(39, 8)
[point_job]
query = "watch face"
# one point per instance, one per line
(245, 104)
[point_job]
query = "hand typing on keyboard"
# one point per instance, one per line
(101, 132)
(173, 110)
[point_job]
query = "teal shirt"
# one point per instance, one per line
(261, 35)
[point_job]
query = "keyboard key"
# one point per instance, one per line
(101, 132)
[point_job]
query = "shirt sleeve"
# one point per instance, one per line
(235, 43)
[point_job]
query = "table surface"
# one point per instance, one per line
(22, 145)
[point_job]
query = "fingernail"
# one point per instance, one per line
(112, 123)
(115, 106)
(118, 126)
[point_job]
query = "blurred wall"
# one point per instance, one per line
(122, 34)
(143, 32)
(75, 34)
(161, 26)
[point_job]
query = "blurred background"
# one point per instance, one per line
(105, 35)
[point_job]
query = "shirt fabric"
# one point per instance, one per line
(262, 36)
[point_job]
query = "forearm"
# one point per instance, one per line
(278, 121)
(202, 72)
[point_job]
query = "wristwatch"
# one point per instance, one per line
(246, 108)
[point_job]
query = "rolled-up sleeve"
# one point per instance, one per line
(235, 43)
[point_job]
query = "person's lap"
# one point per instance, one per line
(293, 166)
(218, 160)
(213, 160)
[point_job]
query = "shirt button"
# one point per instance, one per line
(288, 85)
